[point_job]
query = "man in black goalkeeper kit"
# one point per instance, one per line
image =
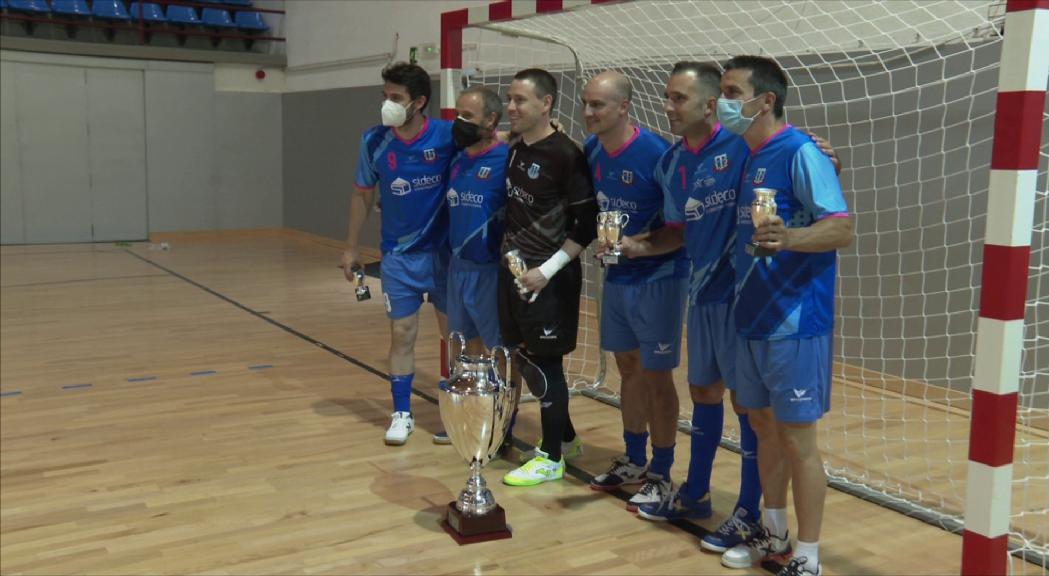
(551, 216)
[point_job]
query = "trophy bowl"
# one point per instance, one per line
(476, 407)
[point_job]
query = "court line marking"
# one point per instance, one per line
(75, 386)
(577, 473)
(81, 280)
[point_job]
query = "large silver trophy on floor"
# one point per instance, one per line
(476, 408)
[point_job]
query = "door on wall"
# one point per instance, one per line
(80, 139)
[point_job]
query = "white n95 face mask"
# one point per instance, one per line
(393, 114)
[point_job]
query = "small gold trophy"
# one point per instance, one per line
(518, 267)
(761, 209)
(362, 291)
(610, 226)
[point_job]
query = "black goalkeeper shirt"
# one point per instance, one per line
(550, 198)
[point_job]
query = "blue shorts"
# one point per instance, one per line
(792, 376)
(712, 342)
(473, 300)
(646, 316)
(406, 277)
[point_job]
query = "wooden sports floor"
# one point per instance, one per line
(219, 408)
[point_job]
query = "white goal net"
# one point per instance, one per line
(905, 91)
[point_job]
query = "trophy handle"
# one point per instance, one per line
(452, 338)
(623, 219)
(505, 398)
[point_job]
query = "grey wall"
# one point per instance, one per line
(322, 133)
(99, 149)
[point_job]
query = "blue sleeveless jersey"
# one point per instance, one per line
(412, 176)
(791, 294)
(477, 204)
(625, 180)
(700, 187)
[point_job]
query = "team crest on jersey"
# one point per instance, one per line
(391, 161)
(759, 176)
(627, 177)
(533, 171)
(721, 162)
(429, 154)
(484, 172)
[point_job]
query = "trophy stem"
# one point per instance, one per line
(475, 499)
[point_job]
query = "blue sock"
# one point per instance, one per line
(662, 460)
(749, 480)
(636, 447)
(707, 423)
(401, 389)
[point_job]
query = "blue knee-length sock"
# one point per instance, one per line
(749, 479)
(662, 460)
(707, 423)
(401, 389)
(636, 447)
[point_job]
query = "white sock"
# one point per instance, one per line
(775, 519)
(811, 552)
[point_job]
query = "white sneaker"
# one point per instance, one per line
(763, 546)
(401, 426)
(652, 491)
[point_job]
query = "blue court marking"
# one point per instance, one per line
(142, 379)
(260, 366)
(75, 386)
(11, 393)
(203, 373)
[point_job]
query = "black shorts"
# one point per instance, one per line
(548, 326)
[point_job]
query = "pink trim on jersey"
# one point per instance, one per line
(769, 139)
(834, 215)
(618, 151)
(704, 142)
(426, 125)
(483, 152)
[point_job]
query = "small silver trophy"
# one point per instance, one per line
(517, 268)
(761, 209)
(362, 291)
(610, 226)
(476, 407)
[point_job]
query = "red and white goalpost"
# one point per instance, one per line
(1006, 254)
(938, 110)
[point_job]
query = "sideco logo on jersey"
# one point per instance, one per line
(604, 203)
(695, 208)
(465, 199)
(401, 187)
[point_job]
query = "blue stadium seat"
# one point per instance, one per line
(70, 7)
(38, 6)
(151, 12)
(182, 15)
(216, 17)
(109, 10)
(251, 21)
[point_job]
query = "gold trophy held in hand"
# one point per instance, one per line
(610, 226)
(761, 210)
(517, 267)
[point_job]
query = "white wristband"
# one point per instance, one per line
(555, 263)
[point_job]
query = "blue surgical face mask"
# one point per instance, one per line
(730, 114)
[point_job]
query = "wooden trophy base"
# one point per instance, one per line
(473, 529)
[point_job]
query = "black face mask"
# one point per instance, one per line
(464, 133)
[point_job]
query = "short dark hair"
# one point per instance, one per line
(492, 103)
(707, 75)
(765, 76)
(413, 77)
(544, 82)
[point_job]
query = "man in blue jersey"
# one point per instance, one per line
(784, 307)
(476, 207)
(699, 175)
(407, 158)
(644, 298)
